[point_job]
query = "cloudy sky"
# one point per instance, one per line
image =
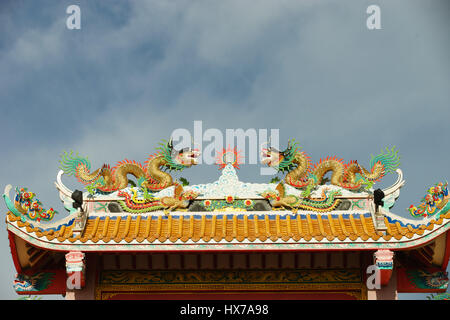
(138, 70)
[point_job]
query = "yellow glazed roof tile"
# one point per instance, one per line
(228, 227)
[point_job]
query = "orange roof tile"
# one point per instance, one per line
(229, 227)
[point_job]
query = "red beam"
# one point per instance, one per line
(12, 246)
(447, 252)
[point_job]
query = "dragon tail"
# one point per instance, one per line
(385, 162)
(389, 159)
(74, 165)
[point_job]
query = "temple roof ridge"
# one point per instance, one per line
(189, 228)
(414, 222)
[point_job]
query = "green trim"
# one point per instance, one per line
(11, 207)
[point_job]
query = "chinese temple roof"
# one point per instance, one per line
(227, 213)
(261, 230)
(157, 214)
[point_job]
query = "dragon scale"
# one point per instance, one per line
(152, 176)
(300, 172)
(160, 178)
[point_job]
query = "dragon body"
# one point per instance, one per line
(150, 175)
(280, 199)
(301, 173)
(180, 200)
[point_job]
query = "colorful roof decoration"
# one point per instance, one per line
(261, 230)
(352, 176)
(226, 228)
(37, 282)
(28, 207)
(231, 211)
(156, 213)
(440, 296)
(436, 199)
(229, 156)
(151, 175)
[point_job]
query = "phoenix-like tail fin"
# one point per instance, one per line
(70, 162)
(74, 165)
(388, 158)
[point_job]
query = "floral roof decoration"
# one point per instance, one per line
(229, 156)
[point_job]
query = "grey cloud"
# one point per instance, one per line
(137, 71)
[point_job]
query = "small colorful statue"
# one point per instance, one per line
(435, 200)
(29, 207)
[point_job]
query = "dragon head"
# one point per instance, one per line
(271, 157)
(35, 282)
(437, 279)
(270, 195)
(281, 160)
(186, 157)
(179, 159)
(190, 195)
(24, 283)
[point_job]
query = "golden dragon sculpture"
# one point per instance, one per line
(281, 200)
(150, 175)
(179, 200)
(302, 174)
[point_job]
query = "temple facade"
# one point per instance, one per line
(157, 238)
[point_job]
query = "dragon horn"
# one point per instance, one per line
(263, 144)
(269, 143)
(288, 146)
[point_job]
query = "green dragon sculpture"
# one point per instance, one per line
(302, 174)
(149, 175)
(280, 199)
(180, 200)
